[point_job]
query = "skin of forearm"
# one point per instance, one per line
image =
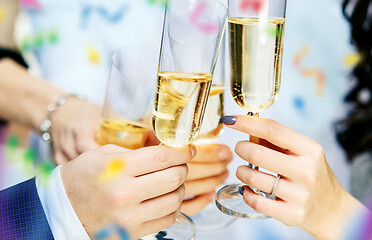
(23, 98)
(336, 225)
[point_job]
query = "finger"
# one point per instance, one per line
(161, 206)
(202, 186)
(156, 225)
(268, 159)
(204, 170)
(156, 158)
(264, 182)
(112, 148)
(85, 145)
(161, 182)
(273, 132)
(277, 209)
(60, 158)
(193, 206)
(212, 153)
(68, 147)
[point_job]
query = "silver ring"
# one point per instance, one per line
(272, 195)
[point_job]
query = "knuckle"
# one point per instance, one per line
(169, 220)
(177, 199)
(175, 178)
(118, 197)
(161, 157)
(256, 204)
(318, 150)
(250, 179)
(303, 197)
(309, 175)
(271, 127)
(81, 146)
(254, 153)
(298, 218)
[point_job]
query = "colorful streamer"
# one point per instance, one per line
(315, 73)
(115, 17)
(255, 5)
(195, 19)
(30, 4)
(39, 40)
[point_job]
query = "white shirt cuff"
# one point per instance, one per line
(62, 219)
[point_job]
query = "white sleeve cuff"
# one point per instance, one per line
(62, 219)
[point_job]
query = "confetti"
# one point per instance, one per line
(93, 54)
(112, 170)
(319, 75)
(112, 230)
(316, 73)
(2, 14)
(115, 17)
(163, 3)
(195, 16)
(39, 40)
(13, 142)
(255, 5)
(30, 155)
(299, 57)
(299, 103)
(30, 4)
(352, 59)
(52, 36)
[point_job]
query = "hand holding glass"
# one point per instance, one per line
(256, 50)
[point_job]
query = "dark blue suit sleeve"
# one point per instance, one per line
(21, 214)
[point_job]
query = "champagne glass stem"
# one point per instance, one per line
(256, 140)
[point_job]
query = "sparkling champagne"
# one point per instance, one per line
(128, 134)
(211, 126)
(256, 50)
(179, 106)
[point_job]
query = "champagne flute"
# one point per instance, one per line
(210, 218)
(192, 33)
(128, 97)
(256, 30)
(128, 101)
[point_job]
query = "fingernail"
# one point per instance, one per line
(241, 190)
(228, 120)
(193, 151)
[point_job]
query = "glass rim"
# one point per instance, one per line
(167, 9)
(117, 66)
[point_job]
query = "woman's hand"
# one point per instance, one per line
(207, 171)
(143, 197)
(308, 194)
(73, 130)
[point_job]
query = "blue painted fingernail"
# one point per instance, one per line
(241, 190)
(229, 120)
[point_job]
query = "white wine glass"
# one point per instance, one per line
(255, 32)
(128, 97)
(210, 218)
(192, 34)
(126, 114)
